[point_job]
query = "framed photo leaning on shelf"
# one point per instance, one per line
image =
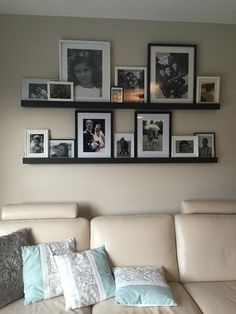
(87, 65)
(171, 73)
(185, 146)
(153, 130)
(206, 144)
(34, 88)
(134, 82)
(60, 91)
(208, 89)
(62, 148)
(94, 134)
(124, 145)
(117, 94)
(36, 143)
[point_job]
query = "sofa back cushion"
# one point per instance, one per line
(137, 240)
(206, 247)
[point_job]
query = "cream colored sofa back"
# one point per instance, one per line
(206, 246)
(136, 240)
(40, 218)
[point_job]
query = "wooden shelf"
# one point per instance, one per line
(111, 105)
(118, 160)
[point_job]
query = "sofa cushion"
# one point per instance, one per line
(142, 286)
(185, 305)
(86, 277)
(11, 282)
(214, 297)
(138, 240)
(208, 207)
(40, 273)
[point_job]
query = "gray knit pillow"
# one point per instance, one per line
(11, 282)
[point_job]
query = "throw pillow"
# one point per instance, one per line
(86, 278)
(142, 286)
(11, 281)
(40, 272)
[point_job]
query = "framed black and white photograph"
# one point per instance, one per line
(34, 89)
(208, 89)
(62, 148)
(87, 65)
(94, 134)
(36, 143)
(124, 145)
(117, 94)
(134, 82)
(185, 146)
(171, 76)
(153, 130)
(60, 91)
(206, 144)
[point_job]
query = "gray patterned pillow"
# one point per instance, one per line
(11, 281)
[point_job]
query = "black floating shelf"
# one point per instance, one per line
(118, 160)
(112, 105)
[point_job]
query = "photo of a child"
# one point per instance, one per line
(36, 143)
(62, 148)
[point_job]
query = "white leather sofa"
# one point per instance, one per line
(197, 249)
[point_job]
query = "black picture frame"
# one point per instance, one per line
(204, 152)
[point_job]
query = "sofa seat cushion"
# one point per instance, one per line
(185, 305)
(55, 306)
(214, 297)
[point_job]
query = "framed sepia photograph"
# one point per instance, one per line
(34, 89)
(124, 145)
(87, 65)
(36, 143)
(208, 89)
(206, 145)
(60, 91)
(153, 130)
(134, 82)
(171, 76)
(117, 94)
(62, 148)
(94, 134)
(184, 146)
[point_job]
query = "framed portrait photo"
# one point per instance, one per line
(153, 131)
(87, 65)
(62, 148)
(171, 76)
(117, 94)
(206, 145)
(208, 89)
(60, 91)
(94, 134)
(184, 146)
(134, 82)
(36, 143)
(124, 145)
(34, 89)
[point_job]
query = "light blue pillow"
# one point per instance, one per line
(142, 286)
(86, 278)
(40, 273)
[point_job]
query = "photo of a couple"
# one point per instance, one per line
(94, 135)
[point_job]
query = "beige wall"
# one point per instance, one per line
(29, 48)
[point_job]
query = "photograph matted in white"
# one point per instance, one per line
(34, 88)
(60, 91)
(208, 89)
(124, 145)
(185, 146)
(206, 144)
(36, 143)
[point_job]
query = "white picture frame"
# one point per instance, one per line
(35, 89)
(208, 89)
(124, 145)
(60, 91)
(206, 144)
(184, 146)
(77, 57)
(36, 143)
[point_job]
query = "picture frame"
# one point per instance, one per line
(124, 145)
(34, 89)
(171, 73)
(153, 131)
(87, 65)
(36, 143)
(117, 94)
(94, 134)
(208, 89)
(185, 146)
(134, 81)
(62, 148)
(60, 91)
(206, 144)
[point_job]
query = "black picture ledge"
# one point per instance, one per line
(118, 160)
(112, 105)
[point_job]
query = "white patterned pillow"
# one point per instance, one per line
(40, 273)
(86, 278)
(142, 286)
